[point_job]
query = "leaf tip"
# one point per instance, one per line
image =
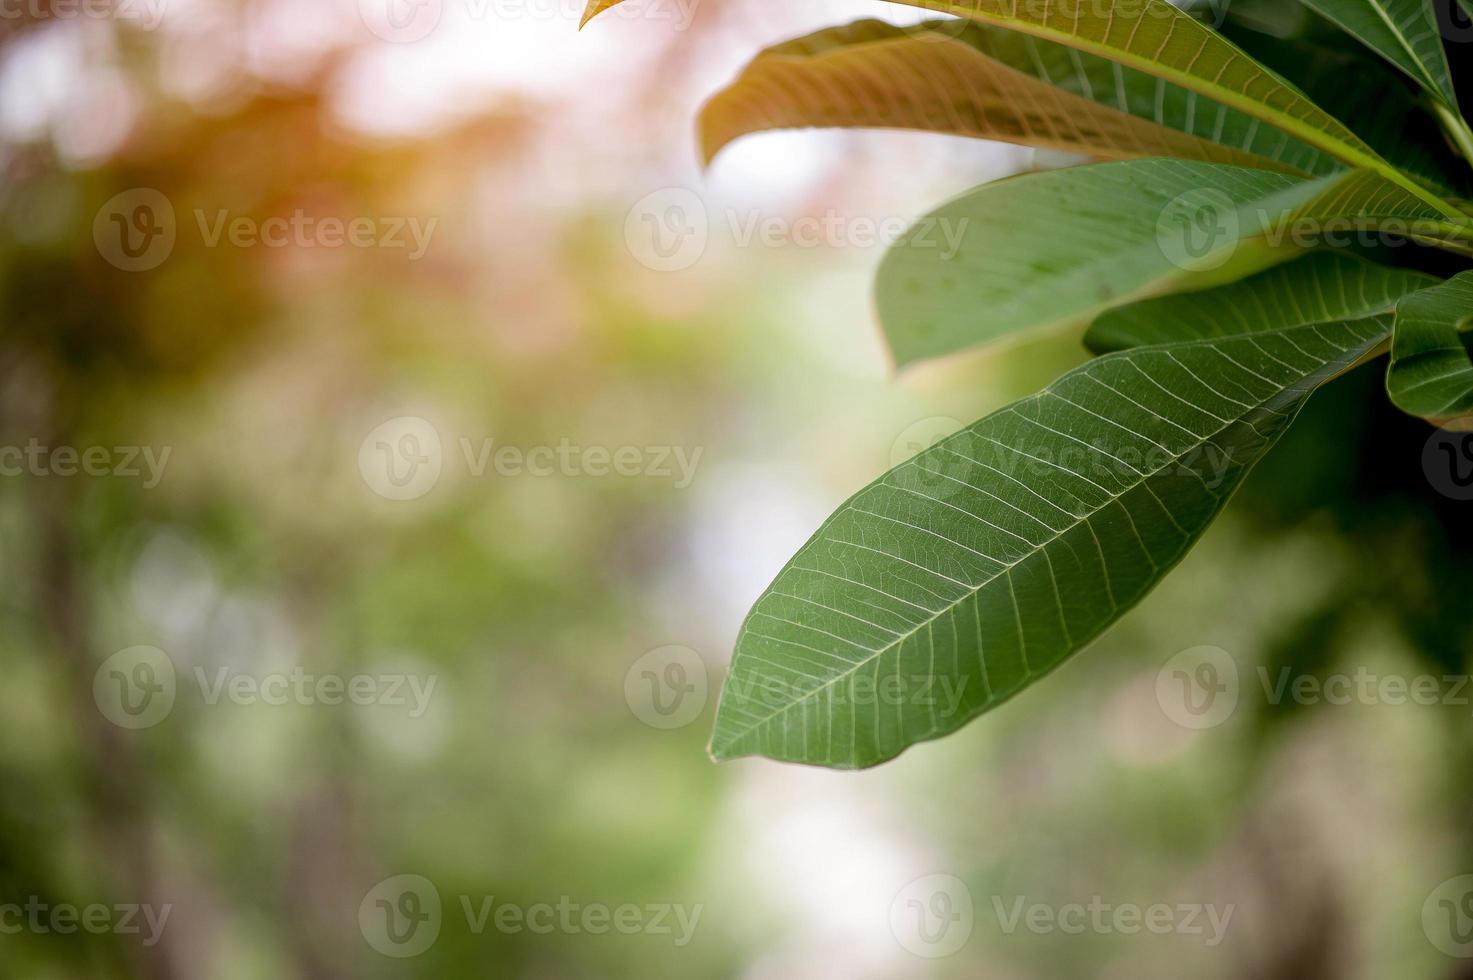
(719, 753)
(590, 11)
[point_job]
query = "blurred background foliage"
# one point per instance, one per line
(530, 320)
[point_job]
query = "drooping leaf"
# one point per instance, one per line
(943, 76)
(1060, 247)
(1317, 288)
(971, 571)
(1155, 37)
(1431, 373)
(1403, 32)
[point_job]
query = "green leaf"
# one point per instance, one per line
(1317, 288)
(951, 76)
(1058, 248)
(1379, 102)
(1431, 374)
(1403, 32)
(1155, 37)
(1144, 95)
(974, 569)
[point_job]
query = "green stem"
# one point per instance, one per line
(1456, 128)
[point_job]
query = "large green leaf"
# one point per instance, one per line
(1317, 288)
(1403, 32)
(1431, 374)
(974, 569)
(1155, 37)
(974, 80)
(1057, 248)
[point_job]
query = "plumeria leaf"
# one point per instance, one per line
(943, 76)
(971, 571)
(997, 260)
(1431, 373)
(1157, 38)
(1380, 103)
(1404, 32)
(1321, 286)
